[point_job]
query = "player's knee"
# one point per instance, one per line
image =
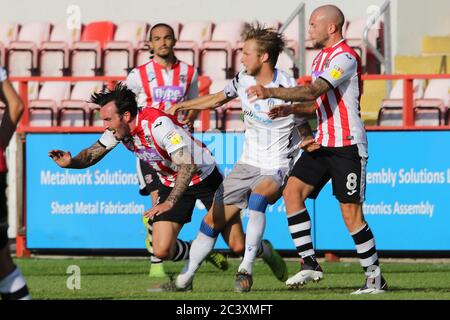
(293, 194)
(237, 247)
(161, 252)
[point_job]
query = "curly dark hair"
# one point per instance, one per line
(268, 40)
(124, 98)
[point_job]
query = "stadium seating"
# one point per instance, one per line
(43, 111)
(432, 108)
(217, 54)
(390, 113)
(87, 54)
(77, 111)
(354, 33)
(433, 45)
(8, 34)
(23, 53)
(54, 54)
(191, 37)
(119, 53)
(232, 117)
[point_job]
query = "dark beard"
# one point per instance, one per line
(317, 45)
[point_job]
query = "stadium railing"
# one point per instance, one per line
(408, 99)
(204, 86)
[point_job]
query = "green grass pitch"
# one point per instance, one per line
(126, 278)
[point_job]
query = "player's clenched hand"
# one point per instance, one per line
(309, 145)
(258, 91)
(61, 158)
(282, 110)
(189, 123)
(158, 209)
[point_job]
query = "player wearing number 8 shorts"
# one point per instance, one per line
(338, 152)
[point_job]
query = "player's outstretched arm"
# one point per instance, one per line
(183, 158)
(301, 94)
(210, 101)
(14, 109)
(86, 158)
(301, 109)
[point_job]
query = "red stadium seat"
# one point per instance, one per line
(22, 54)
(86, 54)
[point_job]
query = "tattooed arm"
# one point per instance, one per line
(86, 158)
(187, 168)
(301, 109)
(210, 101)
(301, 94)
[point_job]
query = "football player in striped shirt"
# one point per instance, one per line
(338, 152)
(185, 167)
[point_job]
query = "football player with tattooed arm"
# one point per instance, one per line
(339, 151)
(12, 282)
(159, 83)
(186, 169)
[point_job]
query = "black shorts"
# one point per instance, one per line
(345, 166)
(182, 210)
(3, 212)
(149, 176)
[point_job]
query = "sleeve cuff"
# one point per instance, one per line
(327, 81)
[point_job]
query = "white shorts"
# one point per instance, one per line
(238, 185)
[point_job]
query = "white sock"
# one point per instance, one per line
(13, 286)
(255, 230)
(155, 260)
(200, 248)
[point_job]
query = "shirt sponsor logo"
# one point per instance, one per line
(168, 94)
(148, 155)
(175, 138)
(336, 72)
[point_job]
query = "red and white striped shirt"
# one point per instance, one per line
(158, 135)
(157, 87)
(338, 110)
